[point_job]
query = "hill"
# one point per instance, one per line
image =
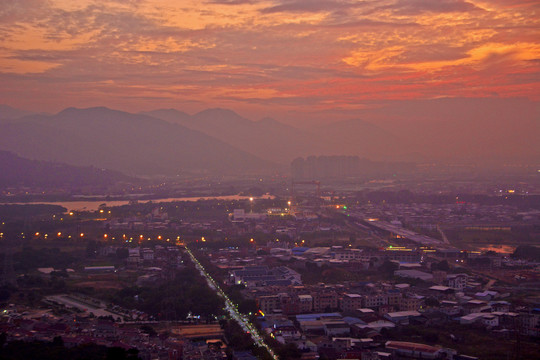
(17, 171)
(131, 143)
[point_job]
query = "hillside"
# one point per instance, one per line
(133, 144)
(17, 171)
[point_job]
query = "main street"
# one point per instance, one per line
(232, 308)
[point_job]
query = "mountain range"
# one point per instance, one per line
(172, 142)
(280, 143)
(132, 143)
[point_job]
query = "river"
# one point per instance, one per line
(93, 205)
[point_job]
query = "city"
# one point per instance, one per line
(311, 271)
(270, 180)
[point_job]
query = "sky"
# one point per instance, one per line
(279, 58)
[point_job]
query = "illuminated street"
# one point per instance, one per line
(232, 308)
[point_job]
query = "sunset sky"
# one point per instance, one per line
(277, 58)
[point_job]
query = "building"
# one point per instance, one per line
(413, 350)
(457, 281)
(324, 300)
(351, 302)
(306, 303)
(375, 300)
(267, 304)
(410, 303)
(401, 317)
(336, 328)
(414, 274)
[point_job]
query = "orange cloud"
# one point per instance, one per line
(270, 54)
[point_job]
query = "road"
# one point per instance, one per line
(445, 239)
(72, 302)
(232, 308)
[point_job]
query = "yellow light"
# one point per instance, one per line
(251, 240)
(101, 211)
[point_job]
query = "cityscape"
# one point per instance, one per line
(286, 269)
(269, 179)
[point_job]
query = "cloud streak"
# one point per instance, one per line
(288, 55)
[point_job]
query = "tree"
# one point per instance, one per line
(442, 266)
(147, 329)
(289, 351)
(122, 253)
(248, 306)
(91, 248)
(388, 267)
(4, 294)
(58, 341)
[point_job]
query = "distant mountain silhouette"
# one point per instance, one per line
(170, 115)
(8, 112)
(281, 143)
(133, 144)
(17, 171)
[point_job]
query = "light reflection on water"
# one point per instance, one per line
(506, 249)
(94, 204)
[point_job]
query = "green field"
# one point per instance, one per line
(496, 240)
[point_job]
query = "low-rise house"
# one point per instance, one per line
(486, 319)
(401, 317)
(336, 328)
(413, 350)
(414, 274)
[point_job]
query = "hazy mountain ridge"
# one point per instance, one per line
(279, 142)
(18, 171)
(447, 131)
(169, 141)
(8, 112)
(134, 144)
